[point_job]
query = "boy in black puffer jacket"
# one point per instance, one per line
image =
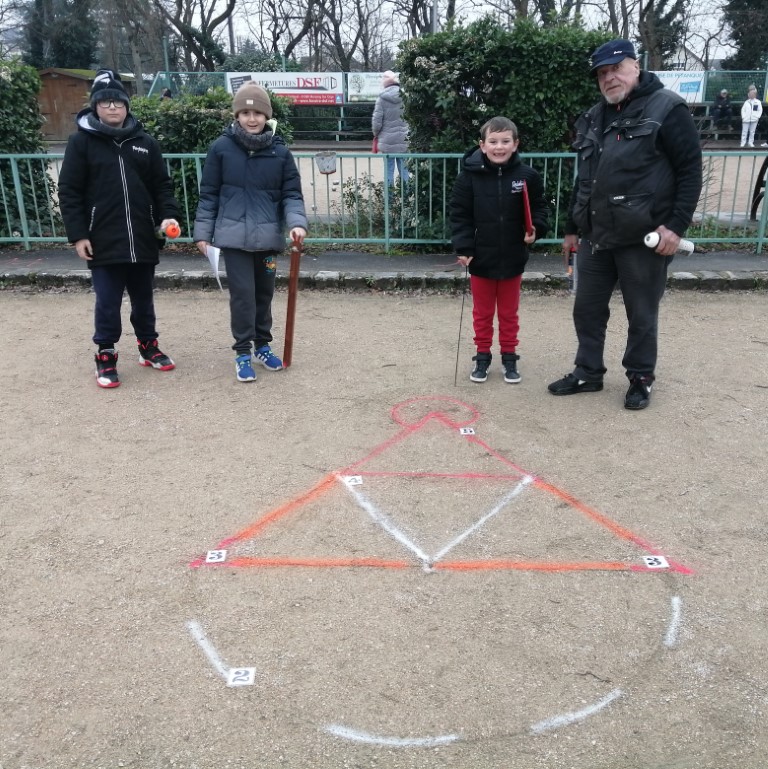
(488, 225)
(115, 193)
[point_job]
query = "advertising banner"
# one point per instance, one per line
(689, 85)
(307, 88)
(363, 86)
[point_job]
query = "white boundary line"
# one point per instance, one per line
(670, 639)
(198, 634)
(475, 526)
(577, 715)
(395, 742)
(384, 522)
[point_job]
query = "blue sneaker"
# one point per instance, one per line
(244, 369)
(268, 359)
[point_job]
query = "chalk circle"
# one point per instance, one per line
(544, 670)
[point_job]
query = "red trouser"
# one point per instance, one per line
(487, 296)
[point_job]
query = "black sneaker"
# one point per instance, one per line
(151, 355)
(570, 385)
(639, 394)
(509, 361)
(106, 368)
(482, 362)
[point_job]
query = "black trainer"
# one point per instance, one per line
(509, 361)
(106, 368)
(482, 363)
(639, 394)
(151, 355)
(570, 385)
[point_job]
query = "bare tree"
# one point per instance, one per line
(199, 24)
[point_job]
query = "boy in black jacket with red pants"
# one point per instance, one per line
(488, 225)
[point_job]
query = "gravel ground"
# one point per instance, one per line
(433, 610)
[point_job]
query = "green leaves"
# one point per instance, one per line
(455, 80)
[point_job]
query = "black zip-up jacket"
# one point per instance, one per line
(487, 215)
(115, 191)
(639, 167)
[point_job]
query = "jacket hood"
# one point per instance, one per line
(475, 160)
(88, 121)
(392, 93)
(649, 83)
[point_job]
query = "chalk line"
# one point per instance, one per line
(670, 639)
(576, 715)
(385, 523)
(202, 641)
(396, 742)
(475, 526)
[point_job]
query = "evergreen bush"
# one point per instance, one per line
(20, 123)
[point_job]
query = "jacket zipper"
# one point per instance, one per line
(126, 200)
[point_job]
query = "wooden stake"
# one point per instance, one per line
(293, 286)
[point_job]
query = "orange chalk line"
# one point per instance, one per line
(380, 563)
(402, 435)
(502, 565)
(612, 526)
(498, 456)
(435, 414)
(461, 476)
(329, 481)
(377, 563)
(317, 490)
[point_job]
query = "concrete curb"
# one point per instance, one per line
(448, 282)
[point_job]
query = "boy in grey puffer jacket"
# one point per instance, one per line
(249, 194)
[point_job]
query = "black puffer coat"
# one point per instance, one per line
(115, 192)
(487, 214)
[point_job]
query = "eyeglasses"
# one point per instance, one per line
(116, 103)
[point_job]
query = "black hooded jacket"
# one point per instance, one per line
(487, 214)
(114, 190)
(639, 167)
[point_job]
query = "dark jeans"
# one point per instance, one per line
(641, 274)
(109, 283)
(251, 280)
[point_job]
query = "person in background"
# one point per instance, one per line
(166, 94)
(488, 226)
(389, 127)
(639, 171)
(249, 193)
(116, 198)
(751, 112)
(722, 110)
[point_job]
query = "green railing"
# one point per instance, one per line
(349, 200)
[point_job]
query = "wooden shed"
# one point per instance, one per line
(63, 94)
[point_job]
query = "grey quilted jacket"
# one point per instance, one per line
(388, 124)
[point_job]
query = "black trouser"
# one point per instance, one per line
(251, 280)
(109, 283)
(641, 274)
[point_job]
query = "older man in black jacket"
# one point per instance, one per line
(639, 171)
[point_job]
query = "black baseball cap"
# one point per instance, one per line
(611, 52)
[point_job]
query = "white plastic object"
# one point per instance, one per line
(652, 240)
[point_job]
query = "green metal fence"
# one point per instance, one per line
(350, 201)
